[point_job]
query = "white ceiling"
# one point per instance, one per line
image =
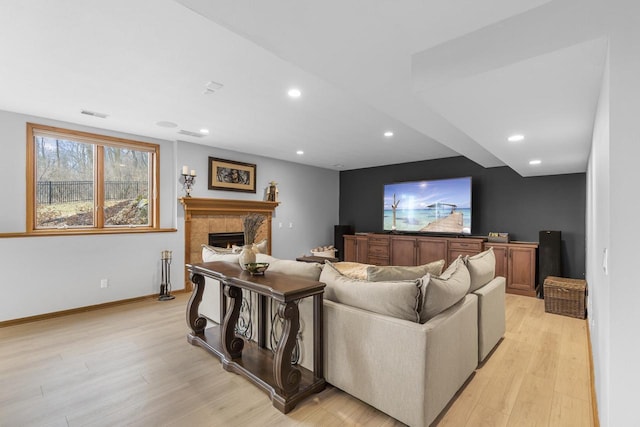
(449, 77)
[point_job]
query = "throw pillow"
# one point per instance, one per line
(482, 268)
(399, 299)
(260, 247)
(218, 249)
(353, 270)
(440, 293)
(209, 255)
(306, 270)
(376, 273)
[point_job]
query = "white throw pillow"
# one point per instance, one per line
(440, 293)
(218, 250)
(399, 299)
(482, 268)
(209, 255)
(260, 247)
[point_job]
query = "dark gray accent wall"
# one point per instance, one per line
(502, 201)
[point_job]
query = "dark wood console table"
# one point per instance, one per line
(285, 383)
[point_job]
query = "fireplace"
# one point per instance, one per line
(226, 240)
(203, 216)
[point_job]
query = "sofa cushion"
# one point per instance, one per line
(441, 292)
(399, 299)
(377, 273)
(306, 270)
(482, 268)
(353, 270)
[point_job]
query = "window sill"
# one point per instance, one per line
(71, 232)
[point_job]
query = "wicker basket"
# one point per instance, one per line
(565, 296)
(329, 253)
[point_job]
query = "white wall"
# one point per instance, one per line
(624, 234)
(613, 223)
(46, 274)
(598, 219)
(308, 196)
(40, 275)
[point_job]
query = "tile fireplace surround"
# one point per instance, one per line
(203, 216)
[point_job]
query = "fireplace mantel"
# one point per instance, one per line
(203, 212)
(206, 206)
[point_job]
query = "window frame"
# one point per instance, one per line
(99, 141)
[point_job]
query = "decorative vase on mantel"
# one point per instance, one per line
(247, 255)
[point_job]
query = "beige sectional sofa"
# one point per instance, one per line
(403, 346)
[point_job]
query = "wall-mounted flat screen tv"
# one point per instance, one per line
(430, 206)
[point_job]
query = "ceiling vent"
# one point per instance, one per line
(94, 114)
(212, 87)
(189, 133)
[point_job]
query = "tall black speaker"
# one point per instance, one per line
(338, 240)
(549, 257)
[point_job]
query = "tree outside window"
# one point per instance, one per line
(80, 181)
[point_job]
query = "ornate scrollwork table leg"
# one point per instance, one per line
(231, 343)
(196, 322)
(287, 376)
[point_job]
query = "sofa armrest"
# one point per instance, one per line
(407, 370)
(491, 315)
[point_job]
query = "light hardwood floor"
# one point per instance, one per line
(132, 365)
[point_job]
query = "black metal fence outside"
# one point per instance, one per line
(49, 192)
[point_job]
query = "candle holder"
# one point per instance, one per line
(188, 183)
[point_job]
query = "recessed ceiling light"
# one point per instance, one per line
(515, 138)
(535, 162)
(165, 124)
(294, 93)
(338, 165)
(204, 131)
(299, 152)
(388, 134)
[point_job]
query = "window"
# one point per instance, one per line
(78, 181)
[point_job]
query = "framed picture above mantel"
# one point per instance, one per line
(230, 175)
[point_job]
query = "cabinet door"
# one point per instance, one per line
(501, 253)
(403, 250)
(350, 253)
(522, 271)
(362, 249)
(430, 250)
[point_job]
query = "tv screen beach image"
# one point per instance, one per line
(438, 206)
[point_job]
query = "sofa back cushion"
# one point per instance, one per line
(378, 273)
(266, 258)
(306, 270)
(399, 299)
(441, 292)
(482, 268)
